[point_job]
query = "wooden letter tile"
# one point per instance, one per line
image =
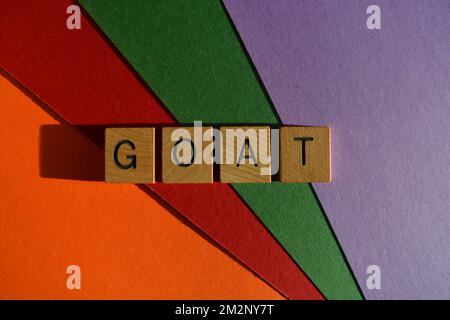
(179, 163)
(246, 144)
(129, 155)
(305, 154)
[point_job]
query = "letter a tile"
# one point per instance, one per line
(247, 155)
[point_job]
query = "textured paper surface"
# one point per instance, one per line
(386, 95)
(82, 80)
(190, 37)
(124, 252)
(189, 55)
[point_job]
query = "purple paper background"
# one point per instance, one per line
(386, 95)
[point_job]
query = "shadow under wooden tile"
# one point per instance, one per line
(68, 152)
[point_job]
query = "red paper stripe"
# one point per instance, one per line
(80, 76)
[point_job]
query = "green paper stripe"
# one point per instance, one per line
(188, 53)
(291, 213)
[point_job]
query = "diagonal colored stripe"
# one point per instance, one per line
(83, 80)
(188, 53)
